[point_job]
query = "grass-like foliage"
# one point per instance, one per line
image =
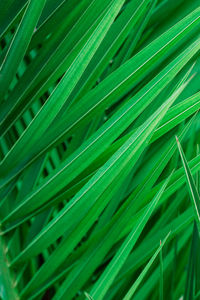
(99, 149)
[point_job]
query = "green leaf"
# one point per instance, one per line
(103, 283)
(115, 126)
(93, 95)
(133, 12)
(7, 290)
(190, 282)
(88, 296)
(134, 287)
(152, 282)
(19, 44)
(52, 61)
(118, 83)
(48, 112)
(87, 196)
(191, 186)
(177, 114)
(60, 254)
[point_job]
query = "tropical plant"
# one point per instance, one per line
(94, 187)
